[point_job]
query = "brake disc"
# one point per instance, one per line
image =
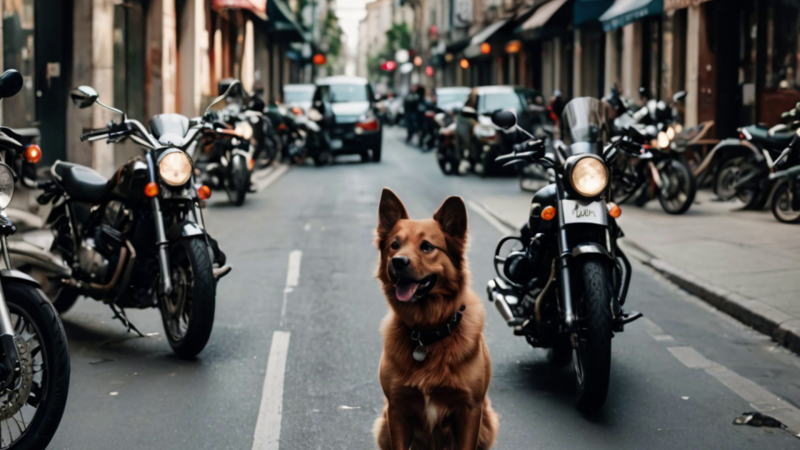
(12, 399)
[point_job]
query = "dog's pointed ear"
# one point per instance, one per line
(452, 217)
(391, 210)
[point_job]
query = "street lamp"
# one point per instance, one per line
(464, 63)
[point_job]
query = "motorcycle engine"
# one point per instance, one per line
(99, 253)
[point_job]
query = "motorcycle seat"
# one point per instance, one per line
(774, 141)
(80, 182)
(170, 129)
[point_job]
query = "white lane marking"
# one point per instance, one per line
(292, 280)
(262, 181)
(268, 425)
(759, 398)
(483, 212)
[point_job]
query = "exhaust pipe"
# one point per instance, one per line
(494, 290)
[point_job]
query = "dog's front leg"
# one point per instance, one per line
(468, 426)
(399, 428)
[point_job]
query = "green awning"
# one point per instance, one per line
(623, 12)
(587, 11)
(282, 20)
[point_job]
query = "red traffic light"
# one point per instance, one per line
(319, 59)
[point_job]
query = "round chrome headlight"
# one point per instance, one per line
(671, 133)
(6, 185)
(175, 168)
(663, 140)
(245, 130)
(589, 176)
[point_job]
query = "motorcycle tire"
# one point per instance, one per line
(447, 164)
(238, 182)
(782, 204)
(727, 175)
(62, 297)
(591, 358)
(37, 318)
(680, 189)
(190, 257)
(267, 152)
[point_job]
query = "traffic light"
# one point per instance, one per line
(319, 59)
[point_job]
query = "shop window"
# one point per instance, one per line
(18, 53)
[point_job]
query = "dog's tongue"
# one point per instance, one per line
(405, 291)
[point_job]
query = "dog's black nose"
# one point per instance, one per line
(400, 262)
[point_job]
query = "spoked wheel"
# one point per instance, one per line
(591, 356)
(32, 405)
(728, 177)
(782, 203)
(677, 187)
(188, 312)
(238, 180)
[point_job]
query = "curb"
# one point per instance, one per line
(782, 328)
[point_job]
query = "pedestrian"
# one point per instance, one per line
(411, 106)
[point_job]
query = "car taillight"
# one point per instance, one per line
(368, 125)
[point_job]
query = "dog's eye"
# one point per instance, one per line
(426, 247)
(395, 245)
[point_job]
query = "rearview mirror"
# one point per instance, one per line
(10, 83)
(680, 95)
(504, 118)
(83, 96)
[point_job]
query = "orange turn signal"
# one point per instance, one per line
(251, 164)
(33, 153)
(614, 210)
(204, 192)
(548, 213)
(151, 189)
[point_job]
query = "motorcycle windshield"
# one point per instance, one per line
(584, 120)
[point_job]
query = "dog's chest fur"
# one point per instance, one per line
(433, 411)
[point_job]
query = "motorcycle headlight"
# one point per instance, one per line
(6, 185)
(174, 168)
(244, 129)
(663, 140)
(588, 176)
(671, 133)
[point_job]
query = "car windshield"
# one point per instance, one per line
(343, 93)
(499, 100)
(584, 119)
(298, 94)
(450, 97)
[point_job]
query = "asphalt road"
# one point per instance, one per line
(679, 378)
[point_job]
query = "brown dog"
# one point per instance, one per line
(435, 367)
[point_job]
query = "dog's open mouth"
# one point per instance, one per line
(407, 289)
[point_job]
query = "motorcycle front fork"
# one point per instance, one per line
(162, 244)
(8, 347)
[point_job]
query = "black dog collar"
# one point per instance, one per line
(426, 337)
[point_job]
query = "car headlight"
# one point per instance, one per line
(175, 167)
(663, 140)
(484, 131)
(6, 185)
(588, 176)
(245, 130)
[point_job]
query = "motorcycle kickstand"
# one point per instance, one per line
(123, 317)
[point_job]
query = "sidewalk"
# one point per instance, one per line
(745, 263)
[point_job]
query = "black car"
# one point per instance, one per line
(346, 111)
(477, 141)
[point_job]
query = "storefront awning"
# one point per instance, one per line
(623, 12)
(282, 20)
(257, 7)
(588, 11)
(474, 47)
(672, 5)
(542, 15)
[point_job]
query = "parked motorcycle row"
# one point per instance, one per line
(136, 240)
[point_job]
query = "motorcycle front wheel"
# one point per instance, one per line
(591, 356)
(447, 163)
(782, 200)
(725, 184)
(238, 181)
(188, 311)
(32, 406)
(678, 187)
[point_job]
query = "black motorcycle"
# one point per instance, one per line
(34, 356)
(136, 240)
(563, 281)
(750, 158)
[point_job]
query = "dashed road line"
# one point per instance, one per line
(268, 425)
(292, 280)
